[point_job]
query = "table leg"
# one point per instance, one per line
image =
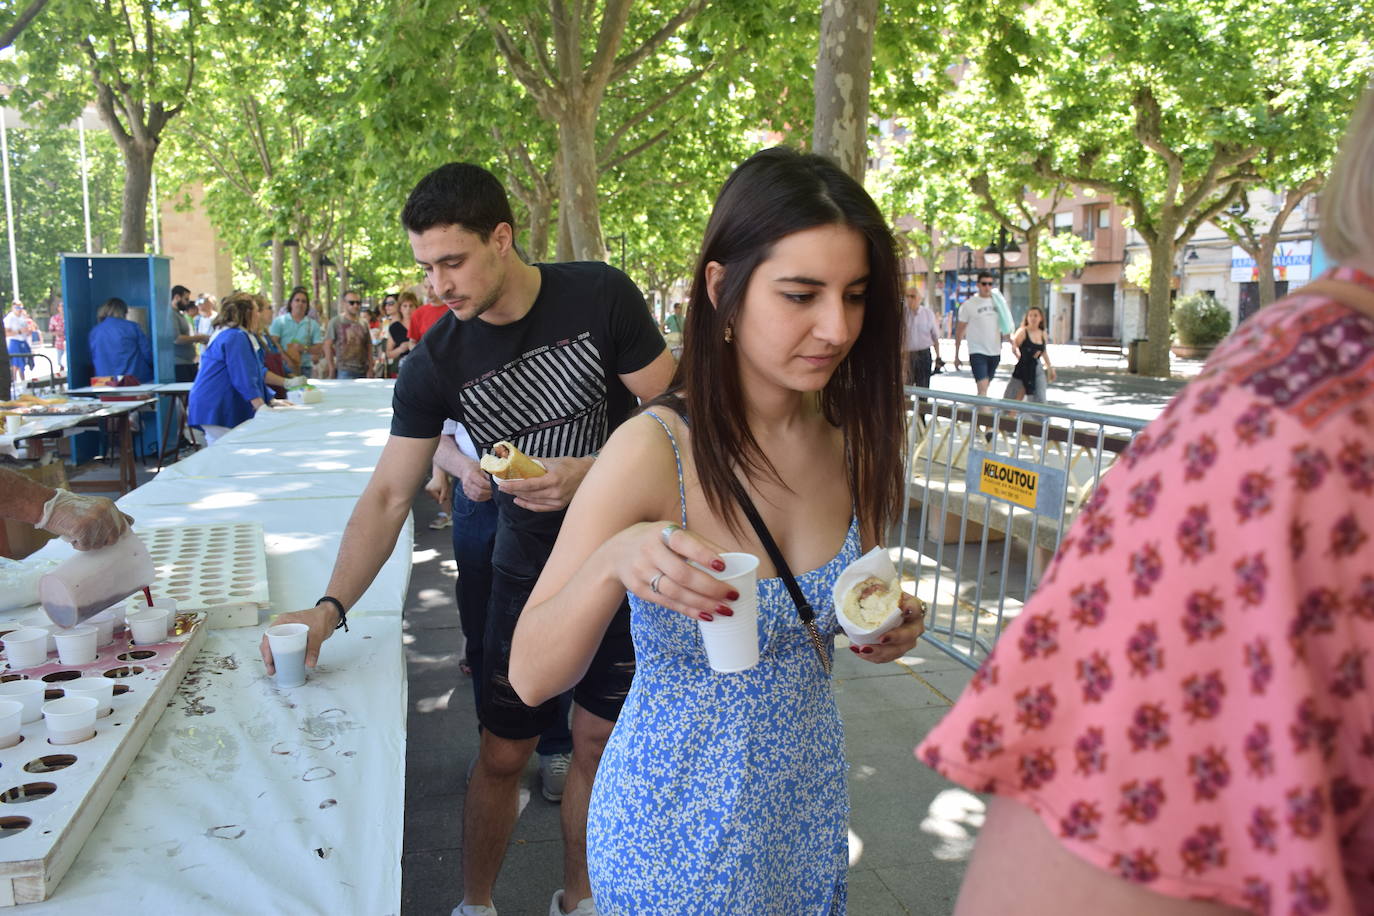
(128, 473)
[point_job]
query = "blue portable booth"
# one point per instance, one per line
(144, 282)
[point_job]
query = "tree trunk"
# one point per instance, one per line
(935, 287)
(1154, 355)
(295, 266)
(564, 250)
(1033, 271)
(577, 200)
(539, 211)
(1264, 260)
(278, 253)
(138, 178)
(844, 65)
(320, 305)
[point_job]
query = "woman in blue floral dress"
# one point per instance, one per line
(725, 793)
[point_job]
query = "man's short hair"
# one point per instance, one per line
(178, 290)
(985, 275)
(458, 194)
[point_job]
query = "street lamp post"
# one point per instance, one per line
(1002, 252)
(620, 238)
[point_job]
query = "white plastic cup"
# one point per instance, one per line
(70, 719)
(11, 720)
(12, 424)
(732, 643)
(104, 624)
(99, 688)
(91, 580)
(28, 693)
(77, 645)
(148, 626)
(287, 642)
(26, 647)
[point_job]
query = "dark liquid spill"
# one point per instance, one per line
(148, 593)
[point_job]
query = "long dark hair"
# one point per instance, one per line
(773, 194)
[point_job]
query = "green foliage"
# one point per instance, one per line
(1061, 253)
(1200, 321)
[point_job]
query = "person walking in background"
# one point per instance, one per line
(673, 323)
(17, 341)
(725, 793)
(348, 341)
(57, 327)
(118, 346)
(981, 320)
(297, 334)
(184, 343)
(1178, 723)
(1032, 373)
(919, 338)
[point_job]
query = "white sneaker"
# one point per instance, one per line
(584, 908)
(440, 521)
(553, 775)
(469, 909)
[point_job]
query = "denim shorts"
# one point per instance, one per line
(983, 366)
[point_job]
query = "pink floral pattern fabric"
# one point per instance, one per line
(1186, 701)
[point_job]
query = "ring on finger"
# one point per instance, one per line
(653, 583)
(667, 533)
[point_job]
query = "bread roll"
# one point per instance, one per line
(507, 462)
(871, 601)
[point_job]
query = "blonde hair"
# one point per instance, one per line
(1347, 204)
(236, 311)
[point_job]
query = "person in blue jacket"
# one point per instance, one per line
(230, 386)
(118, 345)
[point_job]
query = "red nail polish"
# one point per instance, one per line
(724, 611)
(732, 596)
(884, 640)
(867, 650)
(854, 649)
(705, 616)
(718, 565)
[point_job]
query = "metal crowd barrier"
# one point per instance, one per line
(991, 487)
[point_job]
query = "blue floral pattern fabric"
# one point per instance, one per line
(725, 793)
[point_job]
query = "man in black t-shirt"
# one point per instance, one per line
(552, 358)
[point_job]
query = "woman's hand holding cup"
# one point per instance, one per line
(654, 562)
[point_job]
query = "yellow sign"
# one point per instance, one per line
(1011, 483)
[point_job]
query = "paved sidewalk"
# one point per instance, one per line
(910, 829)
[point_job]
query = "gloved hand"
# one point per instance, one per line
(295, 381)
(87, 522)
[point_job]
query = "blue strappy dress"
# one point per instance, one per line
(725, 793)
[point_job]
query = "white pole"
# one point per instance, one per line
(157, 223)
(85, 179)
(9, 209)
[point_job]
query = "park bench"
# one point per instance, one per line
(1103, 346)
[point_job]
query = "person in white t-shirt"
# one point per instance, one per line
(980, 319)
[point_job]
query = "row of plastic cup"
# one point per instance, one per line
(69, 719)
(28, 647)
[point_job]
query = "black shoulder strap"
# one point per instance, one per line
(804, 609)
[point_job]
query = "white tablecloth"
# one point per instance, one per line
(247, 799)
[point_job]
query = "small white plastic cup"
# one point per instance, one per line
(149, 626)
(11, 721)
(77, 645)
(28, 693)
(91, 580)
(71, 719)
(12, 424)
(732, 643)
(287, 641)
(26, 647)
(104, 624)
(99, 688)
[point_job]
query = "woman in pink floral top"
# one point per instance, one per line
(1186, 702)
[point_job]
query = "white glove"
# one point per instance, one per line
(86, 522)
(294, 381)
